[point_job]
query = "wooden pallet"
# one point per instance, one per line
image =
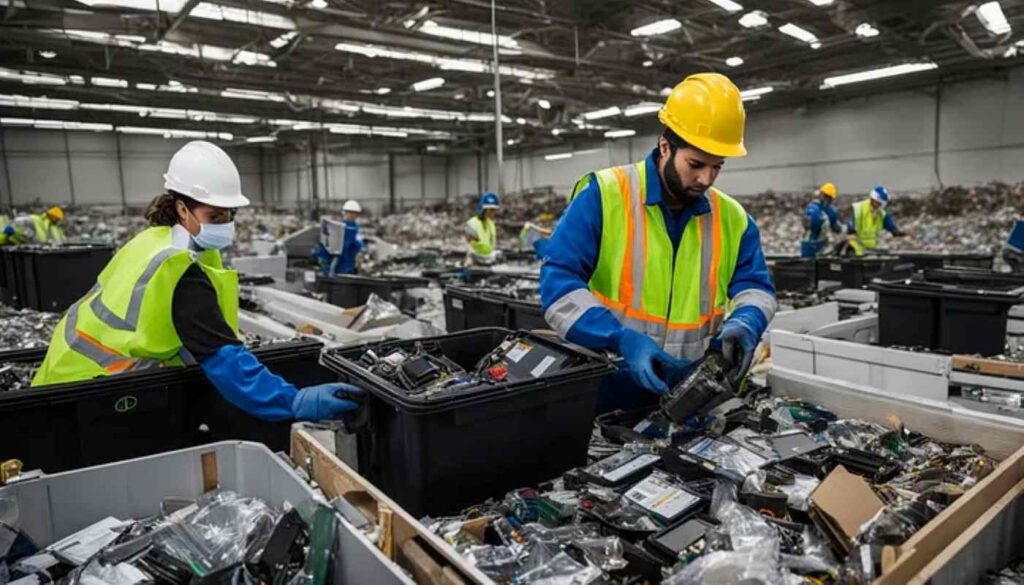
(980, 365)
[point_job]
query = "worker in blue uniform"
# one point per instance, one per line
(339, 242)
(1013, 251)
(652, 262)
(818, 212)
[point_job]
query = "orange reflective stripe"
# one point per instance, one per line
(642, 316)
(626, 282)
(716, 249)
(700, 321)
(114, 368)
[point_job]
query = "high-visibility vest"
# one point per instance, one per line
(486, 234)
(124, 323)
(868, 223)
(678, 299)
(46, 230)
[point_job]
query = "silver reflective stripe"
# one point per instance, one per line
(756, 298)
(638, 208)
(186, 357)
(131, 318)
(563, 313)
(102, 358)
(693, 350)
(707, 254)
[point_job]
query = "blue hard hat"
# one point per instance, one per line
(880, 194)
(488, 200)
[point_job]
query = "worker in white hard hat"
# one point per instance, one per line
(339, 241)
(165, 299)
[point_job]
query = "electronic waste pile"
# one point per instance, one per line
(715, 486)
(223, 537)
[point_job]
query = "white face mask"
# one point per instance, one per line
(214, 236)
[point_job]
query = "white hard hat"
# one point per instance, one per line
(204, 172)
(353, 206)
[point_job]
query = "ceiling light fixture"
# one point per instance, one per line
(258, 139)
(991, 16)
(821, 2)
(109, 82)
(556, 131)
(428, 84)
(318, 4)
(619, 133)
(879, 73)
(727, 5)
(865, 30)
(544, 104)
(520, 121)
(648, 63)
(734, 61)
(490, 93)
(656, 28)
(756, 93)
(754, 19)
(642, 109)
(467, 36)
(448, 63)
(602, 113)
(558, 156)
(283, 39)
(798, 33)
(47, 54)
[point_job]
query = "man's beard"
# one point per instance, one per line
(678, 192)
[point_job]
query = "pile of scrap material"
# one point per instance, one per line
(256, 225)
(25, 328)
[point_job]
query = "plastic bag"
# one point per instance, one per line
(798, 493)
(376, 313)
(742, 529)
(119, 574)
(606, 553)
(218, 533)
(729, 567)
(562, 570)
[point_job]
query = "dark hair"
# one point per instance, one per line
(163, 210)
(674, 139)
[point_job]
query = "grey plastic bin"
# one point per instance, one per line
(57, 505)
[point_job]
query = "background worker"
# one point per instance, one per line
(869, 219)
(165, 299)
(649, 255)
(481, 233)
(1013, 250)
(817, 213)
(339, 242)
(41, 228)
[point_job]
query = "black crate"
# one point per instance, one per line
(525, 315)
(923, 260)
(942, 317)
(858, 272)
(53, 278)
(467, 308)
(795, 275)
(438, 456)
(349, 290)
(8, 285)
(973, 278)
(72, 425)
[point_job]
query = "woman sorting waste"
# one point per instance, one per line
(165, 299)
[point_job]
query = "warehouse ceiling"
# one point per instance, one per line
(418, 75)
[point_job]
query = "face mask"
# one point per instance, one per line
(214, 236)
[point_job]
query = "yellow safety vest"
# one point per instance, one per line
(124, 323)
(868, 224)
(46, 230)
(681, 300)
(486, 234)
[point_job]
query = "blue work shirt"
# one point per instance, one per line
(817, 212)
(350, 248)
(571, 257)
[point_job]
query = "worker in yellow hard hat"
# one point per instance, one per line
(817, 213)
(42, 228)
(651, 261)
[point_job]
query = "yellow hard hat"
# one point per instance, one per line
(828, 189)
(706, 111)
(55, 213)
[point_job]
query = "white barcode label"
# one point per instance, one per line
(542, 366)
(310, 276)
(518, 352)
(457, 304)
(634, 465)
(662, 498)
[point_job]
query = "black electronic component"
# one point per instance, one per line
(704, 388)
(876, 468)
(773, 502)
(795, 444)
(284, 550)
(680, 541)
(420, 371)
(621, 468)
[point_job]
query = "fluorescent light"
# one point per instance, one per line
(728, 5)
(734, 61)
(877, 74)
(55, 124)
(544, 104)
(250, 94)
(445, 63)
(283, 39)
(510, 142)
(467, 36)
(109, 82)
(648, 63)
(656, 28)
(755, 93)
(31, 77)
(642, 109)
(754, 19)
(520, 121)
(556, 131)
(865, 30)
(212, 11)
(175, 133)
(382, 91)
(318, 4)
(821, 2)
(253, 58)
(558, 156)
(991, 16)
(798, 33)
(47, 54)
(257, 139)
(603, 113)
(146, 86)
(619, 133)
(391, 133)
(666, 91)
(428, 84)
(490, 93)
(45, 103)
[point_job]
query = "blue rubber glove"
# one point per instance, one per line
(321, 403)
(737, 342)
(643, 358)
(676, 372)
(9, 230)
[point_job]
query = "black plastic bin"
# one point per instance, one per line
(8, 279)
(68, 426)
(795, 275)
(53, 278)
(438, 456)
(859, 271)
(527, 315)
(942, 317)
(349, 290)
(922, 260)
(972, 277)
(466, 308)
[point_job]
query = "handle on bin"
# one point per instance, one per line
(357, 420)
(597, 355)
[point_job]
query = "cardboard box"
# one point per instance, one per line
(840, 505)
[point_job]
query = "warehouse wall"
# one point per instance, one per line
(889, 139)
(36, 167)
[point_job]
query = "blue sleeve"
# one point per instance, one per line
(833, 218)
(813, 213)
(850, 227)
(889, 224)
(243, 381)
(569, 260)
(751, 274)
(352, 241)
